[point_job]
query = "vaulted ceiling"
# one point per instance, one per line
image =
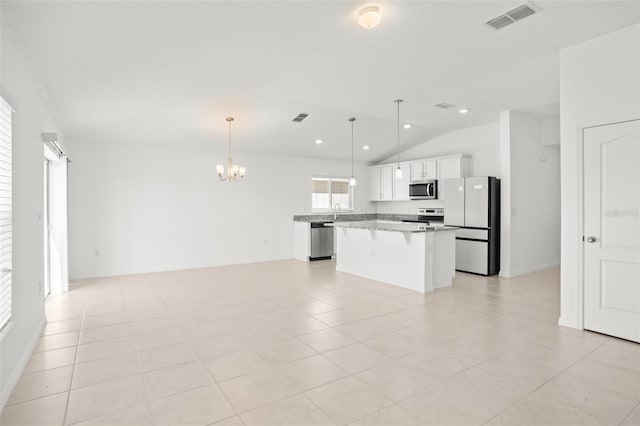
(169, 72)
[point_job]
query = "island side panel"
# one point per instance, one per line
(444, 258)
(396, 258)
(301, 241)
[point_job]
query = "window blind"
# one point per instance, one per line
(5, 213)
(339, 186)
(319, 186)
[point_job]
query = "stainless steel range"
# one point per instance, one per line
(429, 216)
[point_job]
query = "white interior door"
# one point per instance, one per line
(612, 229)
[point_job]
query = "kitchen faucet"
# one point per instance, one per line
(336, 209)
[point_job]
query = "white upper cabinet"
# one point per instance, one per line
(384, 187)
(416, 170)
(450, 168)
(374, 184)
(401, 186)
(381, 183)
(386, 183)
(424, 169)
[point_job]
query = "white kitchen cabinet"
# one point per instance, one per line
(381, 183)
(450, 168)
(424, 169)
(383, 186)
(386, 182)
(401, 186)
(374, 184)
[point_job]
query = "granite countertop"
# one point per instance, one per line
(352, 217)
(392, 226)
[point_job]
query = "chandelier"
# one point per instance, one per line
(234, 172)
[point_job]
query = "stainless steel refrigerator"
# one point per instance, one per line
(473, 204)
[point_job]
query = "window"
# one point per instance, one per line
(327, 192)
(5, 213)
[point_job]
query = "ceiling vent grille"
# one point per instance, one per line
(444, 105)
(300, 117)
(512, 16)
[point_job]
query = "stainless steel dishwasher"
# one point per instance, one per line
(321, 241)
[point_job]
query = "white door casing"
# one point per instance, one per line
(612, 229)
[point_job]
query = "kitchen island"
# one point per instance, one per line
(410, 255)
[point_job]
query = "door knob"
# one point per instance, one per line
(591, 239)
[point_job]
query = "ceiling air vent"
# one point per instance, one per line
(444, 105)
(300, 117)
(512, 16)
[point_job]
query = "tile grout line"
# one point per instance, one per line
(560, 372)
(630, 413)
(73, 369)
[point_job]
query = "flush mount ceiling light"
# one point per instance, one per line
(407, 126)
(463, 110)
(318, 141)
(365, 147)
(398, 169)
(352, 180)
(234, 172)
(369, 17)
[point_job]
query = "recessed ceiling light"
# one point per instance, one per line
(318, 141)
(463, 110)
(365, 147)
(407, 126)
(369, 17)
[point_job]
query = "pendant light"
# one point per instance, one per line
(352, 181)
(234, 172)
(398, 169)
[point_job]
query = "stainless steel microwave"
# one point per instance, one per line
(424, 190)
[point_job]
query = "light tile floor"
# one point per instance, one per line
(291, 343)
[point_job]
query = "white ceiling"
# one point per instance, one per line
(169, 72)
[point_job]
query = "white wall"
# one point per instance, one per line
(140, 208)
(533, 205)
(31, 117)
(599, 84)
(481, 142)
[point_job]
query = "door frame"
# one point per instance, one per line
(581, 215)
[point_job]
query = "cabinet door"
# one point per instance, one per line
(416, 171)
(401, 186)
(430, 169)
(386, 182)
(450, 168)
(374, 184)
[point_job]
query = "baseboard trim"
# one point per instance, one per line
(531, 269)
(24, 359)
(564, 323)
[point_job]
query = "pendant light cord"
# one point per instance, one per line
(352, 146)
(229, 138)
(398, 154)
